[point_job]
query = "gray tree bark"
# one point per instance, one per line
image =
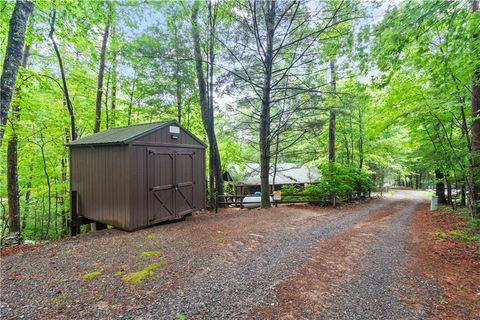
(12, 168)
(68, 102)
(13, 58)
(206, 104)
(264, 137)
(101, 71)
(440, 187)
(333, 115)
(475, 129)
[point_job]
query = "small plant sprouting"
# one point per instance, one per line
(181, 316)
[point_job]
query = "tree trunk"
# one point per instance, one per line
(449, 190)
(214, 151)
(178, 91)
(206, 104)
(360, 138)
(347, 148)
(13, 58)
(114, 81)
(62, 73)
(49, 185)
(264, 137)
(130, 105)
(12, 165)
(440, 187)
(26, 210)
(333, 113)
(13, 193)
(101, 69)
(332, 121)
(475, 131)
(107, 119)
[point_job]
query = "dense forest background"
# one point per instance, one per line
(387, 90)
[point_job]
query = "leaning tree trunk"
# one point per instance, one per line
(13, 58)
(101, 70)
(12, 169)
(475, 141)
(264, 136)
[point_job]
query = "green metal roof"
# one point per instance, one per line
(121, 135)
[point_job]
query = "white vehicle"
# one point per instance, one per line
(253, 201)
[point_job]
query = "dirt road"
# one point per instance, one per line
(280, 263)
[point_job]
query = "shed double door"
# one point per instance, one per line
(170, 183)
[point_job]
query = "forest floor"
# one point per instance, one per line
(386, 258)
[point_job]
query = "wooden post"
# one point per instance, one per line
(74, 226)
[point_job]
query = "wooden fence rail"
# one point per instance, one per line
(237, 200)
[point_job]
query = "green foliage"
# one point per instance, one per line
(341, 181)
(291, 189)
(139, 276)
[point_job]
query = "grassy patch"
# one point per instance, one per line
(151, 236)
(466, 231)
(137, 277)
(150, 254)
(465, 234)
(92, 275)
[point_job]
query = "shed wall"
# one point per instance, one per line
(100, 176)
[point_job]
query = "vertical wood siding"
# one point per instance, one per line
(99, 174)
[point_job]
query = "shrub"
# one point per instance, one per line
(341, 181)
(291, 189)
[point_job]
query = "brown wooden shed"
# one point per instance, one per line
(139, 175)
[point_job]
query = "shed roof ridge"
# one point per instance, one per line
(119, 135)
(142, 124)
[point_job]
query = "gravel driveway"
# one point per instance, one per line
(288, 262)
